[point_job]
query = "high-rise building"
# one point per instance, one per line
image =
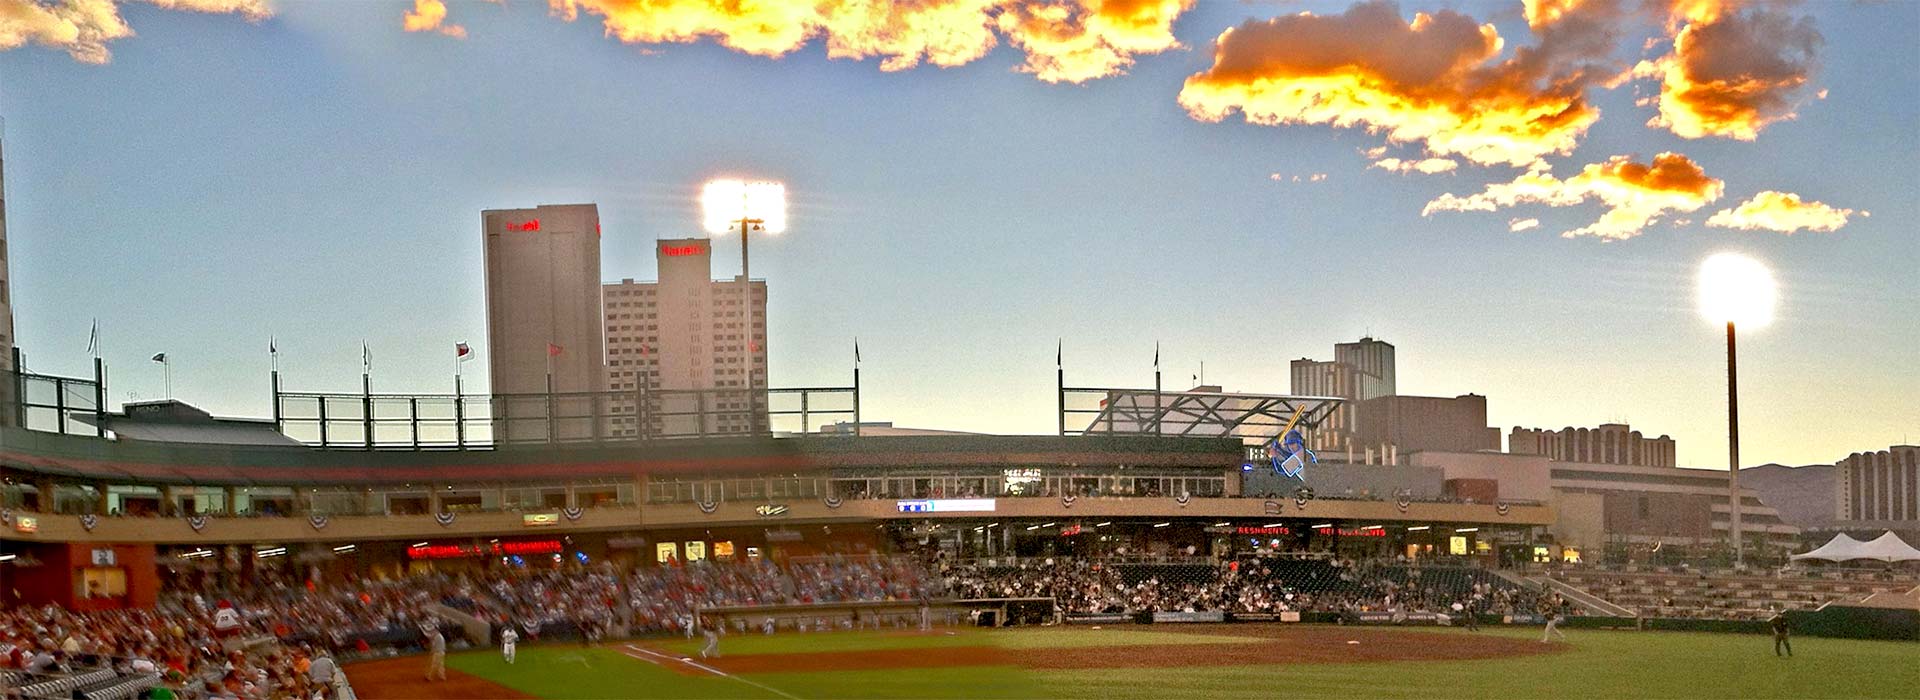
(687, 332)
(7, 398)
(1373, 360)
(1321, 378)
(1359, 371)
(1611, 443)
(543, 318)
(1881, 489)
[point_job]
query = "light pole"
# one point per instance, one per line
(1736, 290)
(749, 206)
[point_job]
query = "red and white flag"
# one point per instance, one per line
(462, 352)
(553, 350)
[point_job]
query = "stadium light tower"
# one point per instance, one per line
(1736, 290)
(749, 206)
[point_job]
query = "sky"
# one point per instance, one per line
(1516, 195)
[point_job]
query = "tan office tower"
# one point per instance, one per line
(543, 320)
(686, 332)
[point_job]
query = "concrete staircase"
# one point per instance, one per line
(1594, 604)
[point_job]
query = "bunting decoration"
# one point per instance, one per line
(707, 507)
(573, 513)
(833, 502)
(1182, 499)
(1067, 499)
(1502, 508)
(88, 521)
(318, 521)
(197, 522)
(6, 516)
(1402, 500)
(445, 519)
(1301, 496)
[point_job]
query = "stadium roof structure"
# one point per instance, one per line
(1888, 547)
(1204, 412)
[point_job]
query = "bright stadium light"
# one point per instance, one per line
(1734, 288)
(727, 206)
(725, 203)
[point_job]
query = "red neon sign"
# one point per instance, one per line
(1346, 532)
(1248, 530)
(528, 225)
(675, 251)
(463, 551)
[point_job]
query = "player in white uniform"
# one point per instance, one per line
(508, 638)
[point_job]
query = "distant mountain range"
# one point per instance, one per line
(1803, 495)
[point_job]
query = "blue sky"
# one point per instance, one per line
(318, 176)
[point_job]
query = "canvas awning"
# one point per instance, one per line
(1888, 547)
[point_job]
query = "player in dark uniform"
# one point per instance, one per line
(1780, 633)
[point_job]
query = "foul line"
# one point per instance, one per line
(708, 669)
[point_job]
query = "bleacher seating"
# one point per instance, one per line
(1715, 595)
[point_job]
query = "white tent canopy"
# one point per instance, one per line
(1888, 547)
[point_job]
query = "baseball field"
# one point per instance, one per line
(1188, 661)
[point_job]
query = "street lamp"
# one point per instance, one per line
(748, 206)
(1735, 289)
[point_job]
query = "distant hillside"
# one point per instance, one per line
(1803, 495)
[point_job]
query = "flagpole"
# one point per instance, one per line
(1156, 388)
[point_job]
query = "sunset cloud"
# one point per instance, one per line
(431, 16)
(1636, 195)
(82, 28)
(1437, 80)
(1732, 70)
(1518, 225)
(1071, 41)
(1784, 212)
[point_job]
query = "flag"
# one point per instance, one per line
(643, 350)
(1156, 355)
(462, 352)
(160, 357)
(1058, 352)
(273, 348)
(856, 351)
(366, 358)
(93, 339)
(553, 350)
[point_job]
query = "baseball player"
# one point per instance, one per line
(508, 639)
(436, 655)
(712, 649)
(1781, 633)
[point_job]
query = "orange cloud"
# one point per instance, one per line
(1064, 40)
(1074, 42)
(1636, 194)
(1784, 212)
(83, 27)
(431, 16)
(1436, 80)
(1731, 72)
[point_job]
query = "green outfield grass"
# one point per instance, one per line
(1600, 664)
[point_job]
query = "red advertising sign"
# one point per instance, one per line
(496, 549)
